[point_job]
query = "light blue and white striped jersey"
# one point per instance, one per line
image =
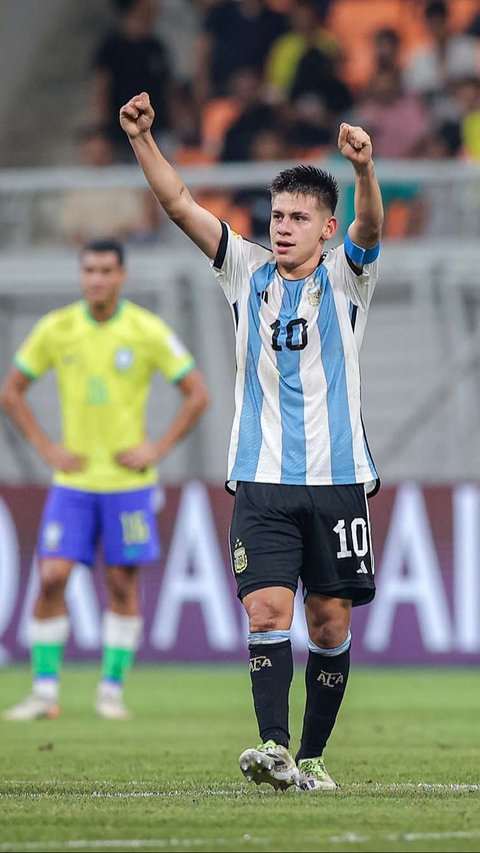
(297, 392)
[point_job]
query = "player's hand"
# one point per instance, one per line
(139, 457)
(355, 144)
(137, 116)
(60, 459)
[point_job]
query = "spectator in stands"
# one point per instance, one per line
(236, 34)
(117, 212)
(178, 25)
(308, 31)
(395, 120)
(430, 212)
(254, 115)
(473, 28)
(430, 69)
(130, 59)
(386, 50)
(266, 146)
(318, 98)
(466, 93)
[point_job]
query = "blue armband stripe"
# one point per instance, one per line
(358, 255)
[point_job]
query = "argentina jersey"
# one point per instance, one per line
(297, 393)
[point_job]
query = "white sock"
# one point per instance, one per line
(46, 688)
(111, 690)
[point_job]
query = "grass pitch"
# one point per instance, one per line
(406, 750)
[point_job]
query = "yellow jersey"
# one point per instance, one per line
(104, 372)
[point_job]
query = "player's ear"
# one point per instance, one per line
(122, 275)
(329, 228)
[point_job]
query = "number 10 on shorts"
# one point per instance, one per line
(358, 539)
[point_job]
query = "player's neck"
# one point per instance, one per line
(303, 270)
(103, 313)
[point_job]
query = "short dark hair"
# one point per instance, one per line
(449, 133)
(105, 244)
(387, 34)
(124, 6)
(307, 181)
(436, 9)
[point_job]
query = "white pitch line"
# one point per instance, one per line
(377, 787)
(410, 786)
(138, 843)
(134, 843)
(353, 838)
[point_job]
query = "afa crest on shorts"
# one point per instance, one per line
(240, 559)
(123, 358)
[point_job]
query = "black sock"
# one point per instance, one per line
(271, 673)
(325, 679)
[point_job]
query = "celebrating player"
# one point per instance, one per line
(104, 350)
(299, 462)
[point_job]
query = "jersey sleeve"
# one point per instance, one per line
(35, 356)
(235, 261)
(168, 354)
(357, 271)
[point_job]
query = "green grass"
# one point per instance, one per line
(169, 779)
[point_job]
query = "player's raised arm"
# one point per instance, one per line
(199, 224)
(355, 145)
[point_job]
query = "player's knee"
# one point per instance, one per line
(52, 586)
(120, 597)
(328, 635)
(261, 623)
(264, 616)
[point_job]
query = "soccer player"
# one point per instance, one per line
(104, 350)
(298, 459)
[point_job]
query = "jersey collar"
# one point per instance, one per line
(116, 314)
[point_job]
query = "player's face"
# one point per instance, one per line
(298, 230)
(102, 278)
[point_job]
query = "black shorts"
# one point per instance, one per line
(320, 534)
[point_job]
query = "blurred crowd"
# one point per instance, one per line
(262, 80)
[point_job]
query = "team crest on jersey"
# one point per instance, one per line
(123, 358)
(52, 534)
(314, 294)
(240, 559)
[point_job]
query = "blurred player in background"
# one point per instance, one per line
(104, 350)
(298, 455)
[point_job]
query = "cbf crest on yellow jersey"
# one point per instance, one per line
(104, 371)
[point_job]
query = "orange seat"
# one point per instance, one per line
(192, 155)
(397, 218)
(217, 116)
(220, 204)
(311, 154)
